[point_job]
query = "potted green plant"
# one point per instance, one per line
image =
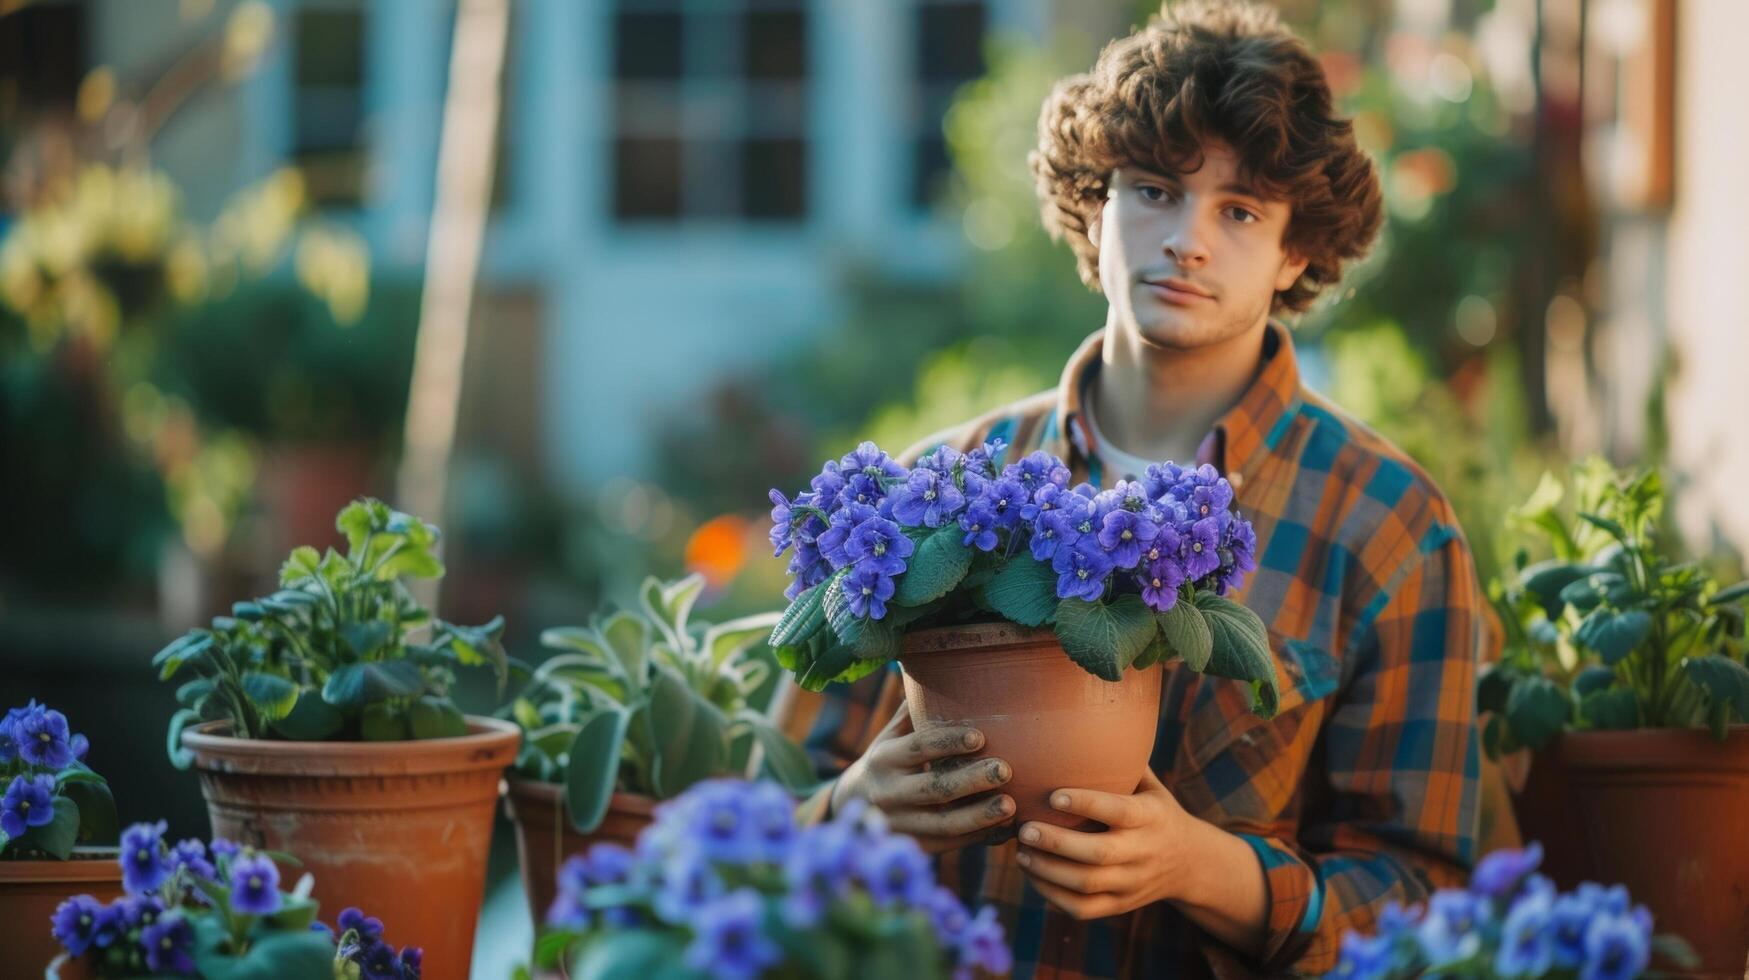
(1624, 676)
(52, 809)
(321, 724)
(217, 912)
(634, 710)
(1001, 589)
(724, 884)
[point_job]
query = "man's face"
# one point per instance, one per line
(1191, 259)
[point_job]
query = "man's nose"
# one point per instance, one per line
(1184, 244)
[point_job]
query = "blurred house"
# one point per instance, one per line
(702, 171)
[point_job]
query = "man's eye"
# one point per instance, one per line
(1152, 193)
(1243, 216)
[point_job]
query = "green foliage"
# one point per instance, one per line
(342, 650)
(652, 701)
(1612, 632)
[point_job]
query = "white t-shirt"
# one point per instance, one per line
(1119, 465)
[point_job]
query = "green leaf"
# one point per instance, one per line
(1614, 529)
(303, 565)
(1187, 634)
(1105, 638)
(1023, 591)
(355, 522)
(578, 671)
(354, 685)
(1545, 581)
(627, 637)
(1615, 708)
(1240, 650)
(435, 717)
(1582, 594)
(58, 836)
(1614, 635)
(1156, 651)
(477, 646)
(311, 719)
(383, 722)
(826, 667)
(1731, 594)
(691, 735)
(592, 769)
(783, 760)
(180, 757)
(97, 817)
(1592, 679)
(289, 955)
(802, 619)
(669, 604)
(628, 955)
(934, 568)
(273, 696)
(191, 694)
(868, 639)
(295, 914)
(180, 651)
(1493, 687)
(364, 638)
(77, 773)
(1725, 680)
(1537, 710)
(725, 641)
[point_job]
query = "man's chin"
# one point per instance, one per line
(1173, 330)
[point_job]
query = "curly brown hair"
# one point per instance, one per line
(1211, 70)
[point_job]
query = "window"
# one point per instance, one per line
(710, 110)
(949, 53)
(328, 112)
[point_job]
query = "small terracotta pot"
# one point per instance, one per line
(1055, 724)
(544, 836)
(30, 891)
(1662, 811)
(399, 829)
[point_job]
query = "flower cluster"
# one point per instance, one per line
(1510, 922)
(361, 943)
(155, 928)
(864, 513)
(39, 756)
(724, 865)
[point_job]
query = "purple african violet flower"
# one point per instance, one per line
(377, 960)
(1081, 569)
(1038, 470)
(878, 543)
(1008, 499)
(782, 523)
(1160, 581)
(128, 913)
(1201, 554)
(927, 498)
(143, 867)
(76, 923)
(844, 520)
(1500, 872)
(42, 737)
(1124, 534)
(979, 523)
(948, 915)
(1449, 930)
(688, 884)
(1364, 958)
(1211, 499)
(222, 848)
(168, 943)
(191, 854)
(867, 590)
(29, 802)
(818, 869)
(984, 946)
(896, 871)
(828, 485)
(727, 939)
(255, 885)
(608, 863)
(1617, 946)
(1527, 943)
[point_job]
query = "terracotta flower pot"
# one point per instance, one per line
(30, 891)
(544, 836)
(399, 829)
(1055, 724)
(1662, 811)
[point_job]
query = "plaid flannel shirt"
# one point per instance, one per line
(1363, 788)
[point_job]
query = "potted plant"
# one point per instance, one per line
(1015, 602)
(321, 724)
(636, 709)
(52, 807)
(218, 913)
(1511, 922)
(724, 884)
(1624, 676)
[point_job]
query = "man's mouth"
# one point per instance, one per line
(1177, 291)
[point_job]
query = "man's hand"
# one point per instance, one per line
(1136, 862)
(918, 780)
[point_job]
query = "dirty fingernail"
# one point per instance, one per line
(973, 740)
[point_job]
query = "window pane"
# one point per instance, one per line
(774, 178)
(646, 178)
(777, 44)
(950, 39)
(647, 45)
(328, 104)
(330, 48)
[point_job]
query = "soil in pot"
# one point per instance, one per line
(1055, 724)
(399, 829)
(545, 837)
(30, 891)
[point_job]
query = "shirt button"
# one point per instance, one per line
(1236, 479)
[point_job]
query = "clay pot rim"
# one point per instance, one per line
(1674, 750)
(88, 863)
(491, 743)
(982, 636)
(545, 792)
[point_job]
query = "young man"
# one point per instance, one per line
(1203, 183)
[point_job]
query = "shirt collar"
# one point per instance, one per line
(1242, 434)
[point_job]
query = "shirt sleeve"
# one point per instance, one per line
(835, 726)
(1398, 817)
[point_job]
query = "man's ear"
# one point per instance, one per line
(1291, 268)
